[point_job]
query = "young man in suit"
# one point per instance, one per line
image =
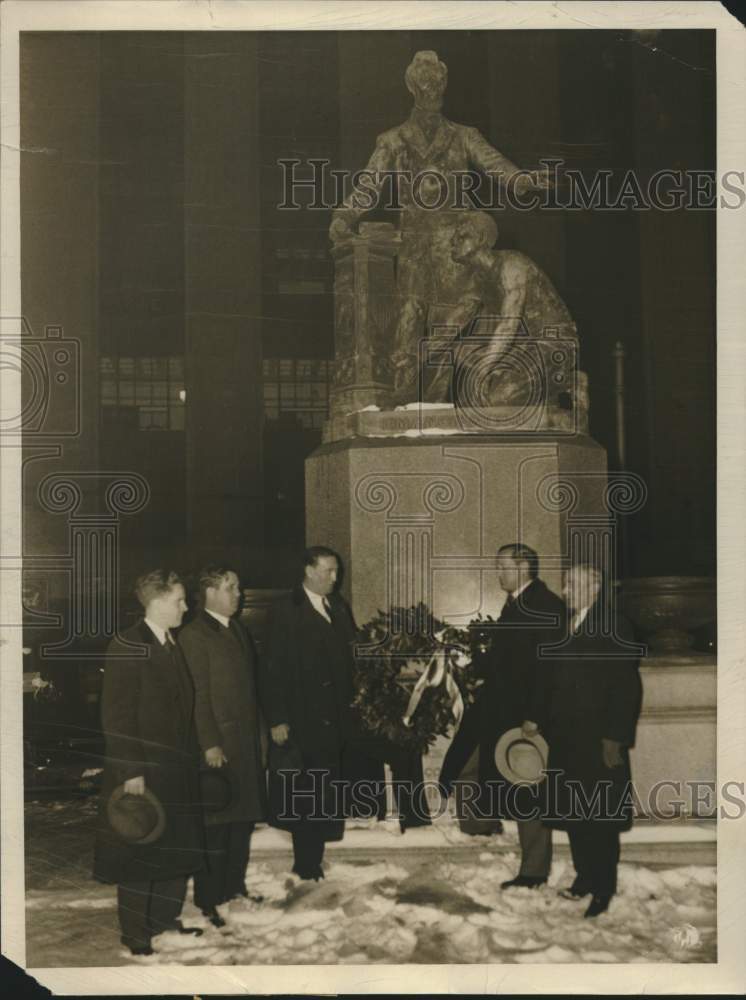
(221, 660)
(307, 692)
(147, 717)
(588, 711)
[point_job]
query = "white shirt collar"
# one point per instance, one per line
(578, 618)
(517, 593)
(218, 617)
(157, 630)
(318, 603)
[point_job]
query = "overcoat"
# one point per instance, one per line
(307, 684)
(147, 707)
(511, 670)
(592, 691)
(223, 666)
(535, 619)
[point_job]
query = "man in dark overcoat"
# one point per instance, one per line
(307, 692)
(230, 729)
(588, 711)
(147, 706)
(532, 617)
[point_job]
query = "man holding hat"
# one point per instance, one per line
(230, 729)
(149, 839)
(532, 616)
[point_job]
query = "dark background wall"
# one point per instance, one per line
(150, 230)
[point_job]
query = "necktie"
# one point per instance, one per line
(327, 608)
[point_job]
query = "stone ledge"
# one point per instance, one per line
(444, 420)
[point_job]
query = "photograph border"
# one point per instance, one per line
(729, 973)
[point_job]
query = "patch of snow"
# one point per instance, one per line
(426, 406)
(424, 906)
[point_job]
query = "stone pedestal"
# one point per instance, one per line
(419, 517)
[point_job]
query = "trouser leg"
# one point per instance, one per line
(462, 746)
(408, 782)
(209, 882)
(166, 902)
(605, 854)
(239, 846)
(308, 850)
(133, 900)
(536, 848)
(582, 857)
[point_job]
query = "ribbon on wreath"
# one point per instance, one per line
(437, 672)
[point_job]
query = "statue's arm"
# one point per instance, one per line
(492, 162)
(366, 191)
(487, 158)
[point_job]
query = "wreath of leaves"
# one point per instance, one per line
(392, 651)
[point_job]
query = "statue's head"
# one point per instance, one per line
(476, 231)
(426, 78)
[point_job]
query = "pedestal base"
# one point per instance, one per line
(421, 518)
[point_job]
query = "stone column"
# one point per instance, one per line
(59, 190)
(223, 296)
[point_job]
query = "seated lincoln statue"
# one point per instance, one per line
(519, 336)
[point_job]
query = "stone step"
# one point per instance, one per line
(681, 843)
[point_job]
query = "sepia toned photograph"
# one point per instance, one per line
(362, 602)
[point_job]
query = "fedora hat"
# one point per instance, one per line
(215, 788)
(138, 819)
(284, 758)
(521, 759)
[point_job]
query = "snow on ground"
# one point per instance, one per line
(439, 911)
(430, 896)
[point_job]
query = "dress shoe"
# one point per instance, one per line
(412, 822)
(577, 890)
(494, 829)
(181, 929)
(599, 904)
(308, 874)
(524, 882)
(138, 949)
(253, 897)
(214, 917)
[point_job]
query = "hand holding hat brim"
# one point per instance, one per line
(522, 758)
(138, 819)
